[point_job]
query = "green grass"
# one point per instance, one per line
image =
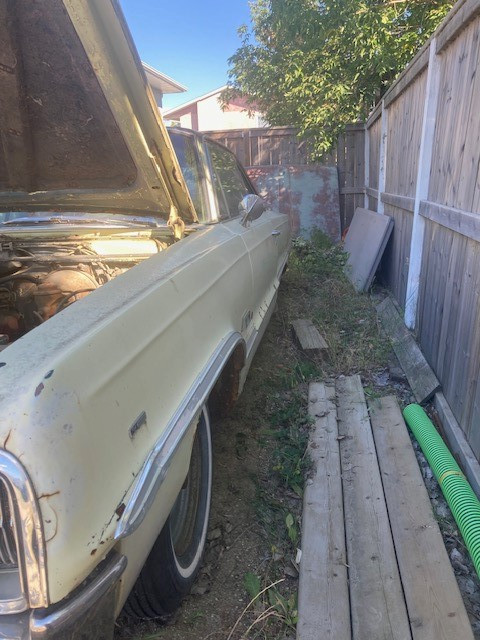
(314, 287)
(346, 319)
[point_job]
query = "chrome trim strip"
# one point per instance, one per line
(29, 530)
(44, 623)
(155, 467)
(15, 605)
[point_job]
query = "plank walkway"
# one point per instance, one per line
(374, 565)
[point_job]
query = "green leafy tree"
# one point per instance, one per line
(319, 64)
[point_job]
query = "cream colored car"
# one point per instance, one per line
(130, 307)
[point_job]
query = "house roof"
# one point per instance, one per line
(164, 83)
(180, 107)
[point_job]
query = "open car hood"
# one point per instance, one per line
(79, 127)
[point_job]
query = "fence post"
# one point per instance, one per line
(382, 165)
(366, 163)
(421, 191)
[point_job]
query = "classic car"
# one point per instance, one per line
(131, 306)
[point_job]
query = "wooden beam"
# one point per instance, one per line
(374, 115)
(382, 165)
(372, 192)
(348, 191)
(377, 605)
(457, 442)
(456, 21)
(405, 79)
(323, 600)
(420, 376)
(308, 337)
(422, 185)
(366, 163)
(402, 202)
(355, 126)
(435, 606)
(464, 222)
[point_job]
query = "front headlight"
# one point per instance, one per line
(23, 582)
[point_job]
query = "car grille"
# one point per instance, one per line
(8, 547)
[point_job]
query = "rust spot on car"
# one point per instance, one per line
(48, 495)
(49, 374)
(93, 552)
(39, 389)
(120, 509)
(5, 442)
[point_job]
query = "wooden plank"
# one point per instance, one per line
(467, 162)
(383, 155)
(464, 222)
(360, 160)
(372, 192)
(420, 376)
(374, 133)
(323, 600)
(352, 190)
(455, 22)
(355, 126)
(374, 115)
(308, 337)
(435, 606)
(402, 202)
(411, 73)
(366, 163)
(422, 187)
(377, 605)
(457, 442)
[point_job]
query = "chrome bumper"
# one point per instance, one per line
(89, 612)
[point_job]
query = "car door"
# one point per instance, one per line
(266, 238)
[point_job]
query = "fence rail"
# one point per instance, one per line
(422, 160)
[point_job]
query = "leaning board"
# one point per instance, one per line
(365, 243)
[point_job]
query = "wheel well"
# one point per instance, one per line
(226, 389)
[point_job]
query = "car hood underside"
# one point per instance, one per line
(79, 127)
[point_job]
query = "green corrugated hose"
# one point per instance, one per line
(458, 493)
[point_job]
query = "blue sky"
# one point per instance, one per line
(188, 40)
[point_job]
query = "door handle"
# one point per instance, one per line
(275, 233)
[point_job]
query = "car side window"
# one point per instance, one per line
(229, 180)
(189, 161)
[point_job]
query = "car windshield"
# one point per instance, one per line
(29, 218)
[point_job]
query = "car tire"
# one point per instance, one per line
(176, 556)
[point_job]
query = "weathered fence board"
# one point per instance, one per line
(395, 261)
(351, 171)
(267, 146)
(435, 607)
(432, 189)
(378, 609)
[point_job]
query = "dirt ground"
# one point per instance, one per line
(260, 466)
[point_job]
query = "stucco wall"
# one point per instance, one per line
(211, 116)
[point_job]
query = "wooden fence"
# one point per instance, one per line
(264, 146)
(422, 159)
(269, 146)
(351, 171)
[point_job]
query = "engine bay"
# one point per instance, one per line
(41, 276)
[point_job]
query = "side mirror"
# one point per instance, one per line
(251, 207)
